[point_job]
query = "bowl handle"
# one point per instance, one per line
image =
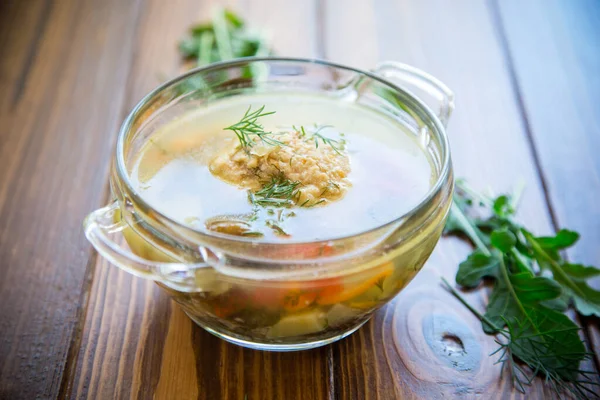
(101, 223)
(439, 95)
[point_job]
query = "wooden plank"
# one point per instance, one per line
(62, 72)
(556, 68)
(136, 342)
(426, 344)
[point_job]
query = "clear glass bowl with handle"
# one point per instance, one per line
(287, 295)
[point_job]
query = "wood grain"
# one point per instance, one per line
(62, 72)
(423, 345)
(556, 69)
(136, 342)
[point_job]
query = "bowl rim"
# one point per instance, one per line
(123, 176)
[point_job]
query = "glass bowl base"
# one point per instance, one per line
(271, 346)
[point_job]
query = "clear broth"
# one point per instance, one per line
(390, 172)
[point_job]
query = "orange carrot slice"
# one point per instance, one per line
(334, 294)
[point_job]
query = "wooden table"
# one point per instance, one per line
(525, 74)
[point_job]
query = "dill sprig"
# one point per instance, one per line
(308, 204)
(337, 145)
(301, 131)
(248, 129)
(279, 192)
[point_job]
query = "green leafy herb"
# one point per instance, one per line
(248, 129)
(279, 192)
(223, 38)
(526, 305)
(572, 277)
(308, 204)
(545, 341)
(337, 145)
(301, 131)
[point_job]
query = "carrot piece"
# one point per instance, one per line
(334, 294)
(229, 304)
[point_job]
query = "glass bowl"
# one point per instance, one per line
(279, 295)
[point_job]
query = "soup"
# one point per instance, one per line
(289, 169)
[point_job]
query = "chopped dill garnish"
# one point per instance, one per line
(279, 192)
(330, 185)
(248, 129)
(308, 205)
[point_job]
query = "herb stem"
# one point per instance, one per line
(222, 35)
(465, 187)
(556, 269)
(470, 307)
(248, 128)
(470, 229)
(207, 39)
(519, 259)
(513, 293)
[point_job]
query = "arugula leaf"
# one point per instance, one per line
(563, 239)
(503, 239)
(530, 289)
(503, 206)
(560, 303)
(547, 341)
(526, 305)
(476, 267)
(517, 296)
(580, 272)
(572, 277)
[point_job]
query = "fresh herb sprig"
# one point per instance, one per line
(526, 306)
(279, 192)
(337, 145)
(248, 129)
(308, 204)
(225, 37)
